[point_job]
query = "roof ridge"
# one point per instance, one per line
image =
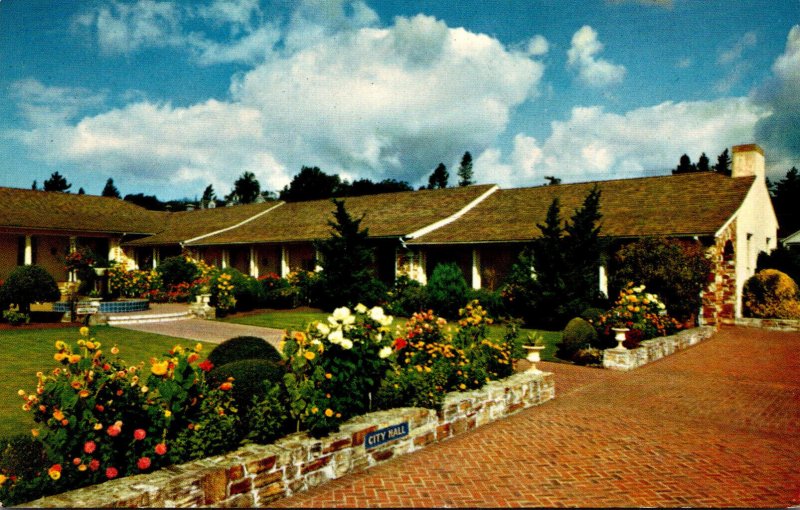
(232, 227)
(622, 179)
(453, 217)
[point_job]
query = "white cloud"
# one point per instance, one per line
(538, 46)
(377, 102)
(41, 105)
(251, 48)
(582, 56)
(235, 12)
(594, 144)
(734, 53)
(125, 28)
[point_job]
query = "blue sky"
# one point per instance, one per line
(167, 97)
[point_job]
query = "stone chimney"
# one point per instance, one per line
(748, 160)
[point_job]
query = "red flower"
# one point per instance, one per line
(161, 448)
(206, 366)
(111, 472)
(113, 430)
(89, 447)
(94, 465)
(143, 463)
(139, 434)
(225, 386)
(400, 343)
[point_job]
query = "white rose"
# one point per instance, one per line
(336, 336)
(347, 344)
(323, 329)
(385, 352)
(376, 314)
(341, 314)
(361, 308)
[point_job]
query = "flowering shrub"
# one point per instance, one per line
(335, 367)
(133, 283)
(80, 259)
(431, 359)
(222, 292)
(642, 313)
(101, 419)
(771, 294)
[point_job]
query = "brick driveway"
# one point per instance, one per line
(715, 425)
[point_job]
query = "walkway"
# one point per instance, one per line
(199, 329)
(715, 425)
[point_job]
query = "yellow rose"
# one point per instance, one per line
(160, 368)
(328, 412)
(3, 479)
(74, 358)
(60, 345)
(84, 331)
(309, 355)
(59, 356)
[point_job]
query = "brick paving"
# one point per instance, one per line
(715, 425)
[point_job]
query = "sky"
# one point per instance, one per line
(167, 97)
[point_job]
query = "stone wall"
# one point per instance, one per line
(654, 349)
(256, 475)
(770, 324)
(719, 296)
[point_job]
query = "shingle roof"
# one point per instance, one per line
(29, 209)
(675, 205)
(385, 215)
(182, 226)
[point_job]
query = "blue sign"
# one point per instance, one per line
(383, 436)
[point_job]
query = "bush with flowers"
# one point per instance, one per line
(336, 367)
(101, 419)
(641, 312)
(432, 359)
(133, 283)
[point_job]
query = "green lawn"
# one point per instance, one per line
(298, 319)
(27, 351)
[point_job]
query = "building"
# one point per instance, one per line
(481, 228)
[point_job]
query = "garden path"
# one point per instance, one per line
(715, 425)
(205, 330)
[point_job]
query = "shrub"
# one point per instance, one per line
(134, 283)
(676, 270)
(771, 294)
(267, 417)
(29, 284)
(177, 270)
(447, 290)
(406, 297)
(241, 348)
(22, 456)
(277, 292)
(16, 318)
(641, 312)
(578, 335)
(491, 300)
(783, 259)
(249, 377)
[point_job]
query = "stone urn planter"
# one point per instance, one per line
(619, 336)
(534, 355)
(203, 299)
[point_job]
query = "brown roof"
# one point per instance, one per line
(385, 215)
(674, 205)
(178, 227)
(68, 212)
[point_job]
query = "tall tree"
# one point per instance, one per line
(245, 189)
(147, 201)
(110, 190)
(552, 180)
(785, 197)
(582, 250)
(685, 166)
(465, 170)
(81, 191)
(311, 184)
(57, 182)
(346, 257)
(208, 196)
(723, 165)
(34, 186)
(438, 179)
(702, 163)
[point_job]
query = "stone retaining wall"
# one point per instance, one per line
(771, 324)
(256, 475)
(654, 349)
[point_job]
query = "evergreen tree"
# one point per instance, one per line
(552, 180)
(685, 166)
(785, 197)
(702, 163)
(549, 266)
(34, 186)
(465, 170)
(347, 277)
(723, 165)
(110, 190)
(57, 182)
(438, 179)
(582, 251)
(245, 189)
(81, 191)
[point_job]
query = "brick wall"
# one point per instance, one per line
(719, 296)
(256, 475)
(654, 349)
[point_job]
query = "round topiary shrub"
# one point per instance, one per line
(243, 347)
(29, 284)
(22, 456)
(577, 336)
(249, 378)
(447, 290)
(771, 294)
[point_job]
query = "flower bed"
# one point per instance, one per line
(259, 474)
(654, 349)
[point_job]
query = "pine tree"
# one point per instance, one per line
(347, 277)
(208, 196)
(723, 165)
(34, 186)
(245, 189)
(81, 191)
(438, 179)
(465, 170)
(702, 163)
(582, 251)
(57, 182)
(110, 190)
